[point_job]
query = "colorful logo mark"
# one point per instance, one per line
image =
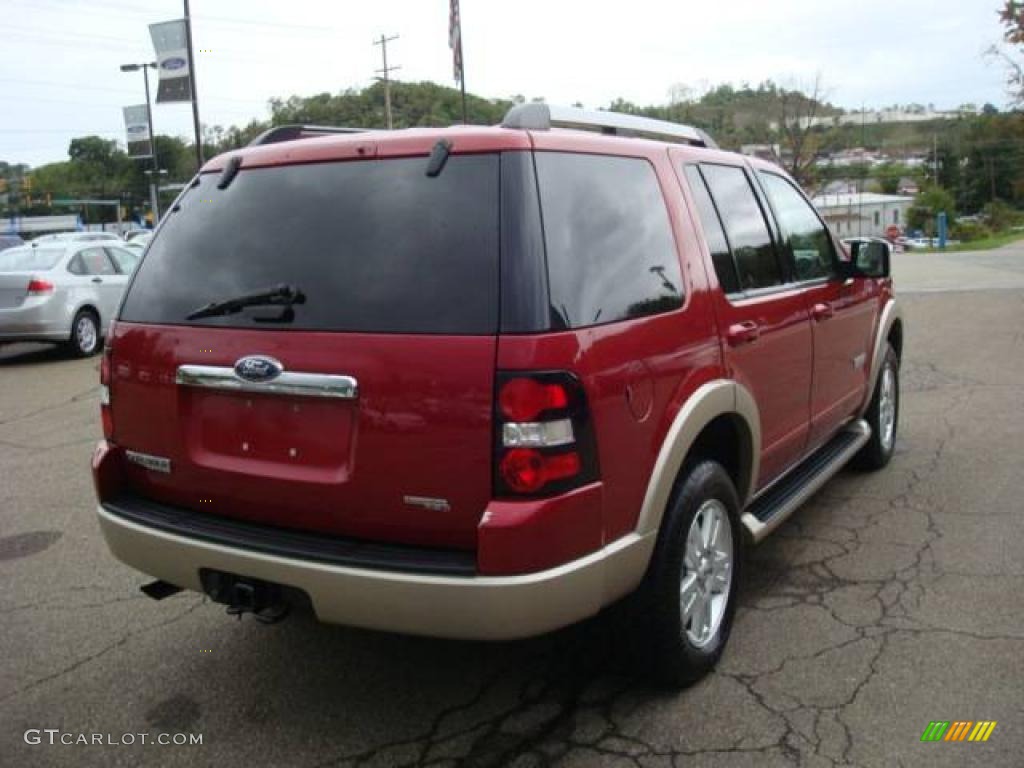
(958, 730)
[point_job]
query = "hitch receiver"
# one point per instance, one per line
(240, 594)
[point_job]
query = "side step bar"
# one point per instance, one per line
(777, 502)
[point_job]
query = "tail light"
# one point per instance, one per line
(544, 438)
(38, 287)
(105, 414)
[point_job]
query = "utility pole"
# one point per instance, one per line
(385, 75)
(863, 173)
(195, 89)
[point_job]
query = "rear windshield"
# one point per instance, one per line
(29, 259)
(374, 245)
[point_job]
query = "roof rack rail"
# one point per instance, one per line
(541, 117)
(292, 132)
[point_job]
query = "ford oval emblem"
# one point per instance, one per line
(258, 368)
(175, 62)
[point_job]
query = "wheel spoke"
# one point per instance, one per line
(714, 542)
(720, 577)
(689, 596)
(705, 617)
(693, 549)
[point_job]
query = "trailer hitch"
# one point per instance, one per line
(264, 600)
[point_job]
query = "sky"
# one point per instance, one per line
(60, 77)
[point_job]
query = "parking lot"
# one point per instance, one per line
(891, 600)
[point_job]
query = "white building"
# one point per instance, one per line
(867, 214)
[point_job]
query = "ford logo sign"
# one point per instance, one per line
(175, 62)
(258, 368)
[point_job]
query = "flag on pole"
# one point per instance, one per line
(136, 126)
(171, 45)
(455, 39)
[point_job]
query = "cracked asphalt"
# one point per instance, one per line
(890, 600)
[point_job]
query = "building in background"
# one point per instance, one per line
(867, 214)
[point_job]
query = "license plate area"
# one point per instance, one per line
(283, 437)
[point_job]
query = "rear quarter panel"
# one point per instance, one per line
(636, 373)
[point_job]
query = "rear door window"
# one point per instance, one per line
(96, 262)
(725, 267)
(757, 265)
(125, 260)
(610, 249)
(806, 238)
(374, 245)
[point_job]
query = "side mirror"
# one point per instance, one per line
(869, 258)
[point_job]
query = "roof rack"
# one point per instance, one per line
(542, 117)
(292, 132)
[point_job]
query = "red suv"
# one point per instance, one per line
(482, 382)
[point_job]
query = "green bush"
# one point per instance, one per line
(999, 216)
(966, 231)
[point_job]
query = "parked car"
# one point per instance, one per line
(141, 240)
(80, 237)
(393, 394)
(62, 291)
(10, 241)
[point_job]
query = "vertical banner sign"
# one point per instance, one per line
(171, 46)
(136, 126)
(455, 39)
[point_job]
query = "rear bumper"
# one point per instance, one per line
(38, 319)
(468, 607)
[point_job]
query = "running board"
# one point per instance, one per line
(773, 505)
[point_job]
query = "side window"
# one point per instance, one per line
(96, 262)
(745, 226)
(806, 237)
(75, 266)
(610, 249)
(725, 267)
(125, 260)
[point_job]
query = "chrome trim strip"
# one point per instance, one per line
(758, 530)
(287, 383)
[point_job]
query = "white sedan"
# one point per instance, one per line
(62, 291)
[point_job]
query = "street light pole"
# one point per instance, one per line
(154, 192)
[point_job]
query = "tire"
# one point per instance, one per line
(671, 645)
(882, 415)
(85, 340)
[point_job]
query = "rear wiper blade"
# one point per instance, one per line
(282, 295)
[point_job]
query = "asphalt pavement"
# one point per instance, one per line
(889, 601)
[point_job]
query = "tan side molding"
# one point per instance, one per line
(710, 400)
(890, 314)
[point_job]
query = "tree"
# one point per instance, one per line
(929, 204)
(1011, 16)
(802, 138)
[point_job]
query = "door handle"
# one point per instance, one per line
(822, 312)
(97, 279)
(743, 333)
